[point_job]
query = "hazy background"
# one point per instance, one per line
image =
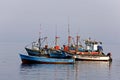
(20, 25)
(20, 20)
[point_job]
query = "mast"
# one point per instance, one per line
(56, 40)
(56, 37)
(39, 40)
(77, 42)
(69, 37)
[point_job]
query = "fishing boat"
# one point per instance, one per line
(36, 48)
(55, 52)
(92, 51)
(92, 57)
(45, 60)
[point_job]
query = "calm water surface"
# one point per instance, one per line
(12, 69)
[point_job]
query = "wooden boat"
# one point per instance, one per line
(45, 60)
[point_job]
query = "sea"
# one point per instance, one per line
(11, 67)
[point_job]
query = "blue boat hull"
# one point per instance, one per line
(45, 60)
(60, 54)
(52, 53)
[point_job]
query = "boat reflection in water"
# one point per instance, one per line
(92, 70)
(86, 70)
(46, 71)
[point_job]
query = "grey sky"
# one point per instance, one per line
(20, 19)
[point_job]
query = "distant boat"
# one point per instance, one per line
(45, 60)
